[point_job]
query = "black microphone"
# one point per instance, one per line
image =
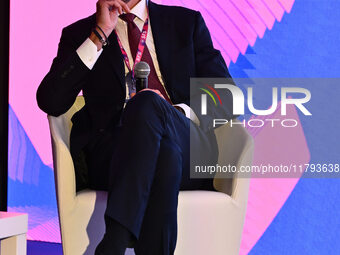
(142, 71)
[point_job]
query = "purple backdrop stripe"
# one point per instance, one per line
(220, 45)
(262, 11)
(275, 8)
(220, 35)
(250, 15)
(238, 20)
(227, 26)
(287, 4)
(235, 24)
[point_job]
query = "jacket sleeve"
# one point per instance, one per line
(66, 78)
(210, 64)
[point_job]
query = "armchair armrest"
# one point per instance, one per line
(62, 162)
(236, 148)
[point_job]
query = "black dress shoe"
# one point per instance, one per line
(116, 239)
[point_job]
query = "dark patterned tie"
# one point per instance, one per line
(134, 37)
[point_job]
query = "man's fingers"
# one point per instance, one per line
(118, 7)
(125, 6)
(115, 4)
(155, 91)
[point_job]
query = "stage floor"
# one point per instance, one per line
(42, 248)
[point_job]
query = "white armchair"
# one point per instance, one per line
(208, 222)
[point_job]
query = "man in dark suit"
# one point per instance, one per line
(136, 146)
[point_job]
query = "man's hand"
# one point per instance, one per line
(107, 17)
(108, 12)
(179, 109)
(154, 90)
(160, 94)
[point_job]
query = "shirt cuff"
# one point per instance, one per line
(88, 53)
(189, 113)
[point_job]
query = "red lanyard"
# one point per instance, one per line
(140, 50)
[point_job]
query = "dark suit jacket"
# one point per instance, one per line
(184, 49)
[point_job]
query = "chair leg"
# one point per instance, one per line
(14, 245)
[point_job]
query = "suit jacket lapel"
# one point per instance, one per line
(161, 36)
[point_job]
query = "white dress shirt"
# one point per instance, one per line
(89, 54)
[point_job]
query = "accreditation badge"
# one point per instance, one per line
(131, 83)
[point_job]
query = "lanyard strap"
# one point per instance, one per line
(140, 50)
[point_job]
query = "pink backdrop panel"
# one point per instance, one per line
(36, 28)
(35, 31)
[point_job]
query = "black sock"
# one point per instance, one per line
(116, 239)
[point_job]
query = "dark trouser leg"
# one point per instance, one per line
(151, 126)
(159, 229)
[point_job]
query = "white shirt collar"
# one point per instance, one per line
(140, 10)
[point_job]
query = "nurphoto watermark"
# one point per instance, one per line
(256, 128)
